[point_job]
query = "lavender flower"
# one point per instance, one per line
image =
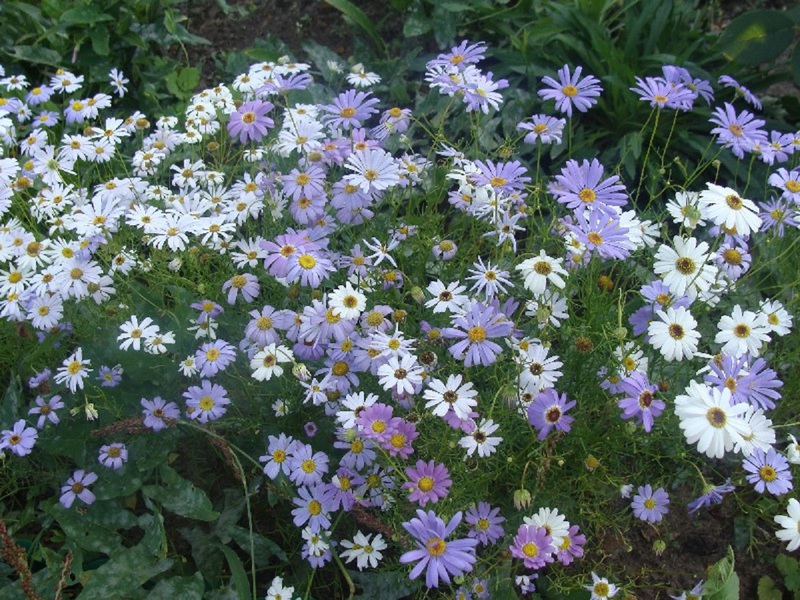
(740, 132)
(349, 109)
(213, 357)
(533, 545)
(768, 471)
(206, 402)
(20, 439)
(247, 284)
(250, 121)
(548, 412)
(570, 90)
(486, 523)
(113, 455)
(437, 557)
(46, 409)
(544, 128)
(156, 410)
(474, 329)
(428, 482)
(579, 186)
(650, 505)
(639, 402)
(77, 487)
(712, 494)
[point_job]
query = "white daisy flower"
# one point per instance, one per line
(134, 332)
(727, 209)
(687, 211)
(452, 394)
(266, 363)
(675, 334)
(686, 269)
(791, 525)
(446, 298)
(555, 523)
(708, 419)
(366, 553)
(742, 332)
(481, 440)
(347, 302)
(540, 270)
(778, 318)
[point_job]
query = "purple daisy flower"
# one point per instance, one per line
(250, 121)
(579, 186)
(245, 283)
(740, 132)
(307, 467)
(313, 507)
(533, 545)
(570, 90)
(460, 56)
(156, 410)
(308, 183)
(640, 402)
(602, 234)
(77, 487)
(712, 494)
(760, 385)
(208, 310)
(349, 109)
(548, 412)
(113, 455)
(20, 439)
(46, 409)
(480, 323)
(649, 505)
(109, 376)
(429, 482)
(571, 546)
(310, 267)
(437, 557)
(768, 471)
(776, 215)
(742, 91)
(279, 453)
(506, 177)
(543, 128)
(213, 357)
(403, 435)
(662, 94)
(486, 523)
(206, 402)
(374, 422)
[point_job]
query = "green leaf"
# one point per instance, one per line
(84, 15)
(86, 533)
(756, 37)
(790, 569)
(180, 496)
(178, 587)
(388, 585)
(263, 547)
(155, 536)
(416, 22)
(124, 574)
(767, 589)
(357, 16)
(238, 573)
(723, 582)
(12, 400)
(99, 37)
(169, 21)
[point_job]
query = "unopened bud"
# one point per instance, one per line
(418, 294)
(522, 499)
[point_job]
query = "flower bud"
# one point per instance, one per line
(522, 499)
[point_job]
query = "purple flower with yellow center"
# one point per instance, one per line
(602, 234)
(250, 121)
(313, 507)
(580, 186)
(20, 439)
(113, 455)
(506, 177)
(77, 486)
(712, 494)
(245, 283)
(109, 376)
(571, 91)
(768, 471)
(740, 132)
(543, 128)
(399, 443)
(649, 505)
(279, 451)
(213, 357)
(486, 523)
(760, 385)
(158, 409)
(349, 109)
(206, 402)
(662, 94)
(46, 409)
(533, 545)
(571, 546)
(640, 402)
(435, 555)
(208, 310)
(309, 267)
(549, 411)
(474, 329)
(307, 466)
(428, 482)
(374, 422)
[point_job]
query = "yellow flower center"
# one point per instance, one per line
(206, 403)
(530, 549)
(425, 484)
(717, 417)
(307, 261)
(587, 195)
(436, 546)
(569, 91)
(477, 334)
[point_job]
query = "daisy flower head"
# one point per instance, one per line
(708, 419)
(481, 440)
(779, 320)
(349, 109)
(364, 549)
(474, 330)
(444, 250)
(347, 302)
(20, 439)
(571, 91)
(446, 298)
(548, 412)
(790, 525)
(453, 395)
(278, 591)
(155, 412)
(662, 94)
(277, 458)
(544, 128)
(788, 182)
(674, 333)
(541, 270)
(374, 170)
(245, 283)
(727, 209)
(435, 555)
(250, 122)
(580, 186)
(266, 362)
(427, 482)
(601, 589)
(401, 374)
(712, 494)
(601, 233)
(206, 402)
(485, 523)
(741, 91)
(134, 332)
(489, 279)
(73, 371)
(740, 132)
(77, 486)
(307, 467)
(686, 210)
(640, 402)
(533, 545)
(743, 332)
(685, 266)
(358, 77)
(46, 409)
(118, 80)
(213, 357)
(768, 471)
(650, 505)
(113, 455)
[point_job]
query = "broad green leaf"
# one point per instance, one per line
(12, 400)
(188, 78)
(205, 551)
(187, 588)
(756, 37)
(124, 574)
(84, 532)
(723, 582)
(357, 16)
(155, 536)
(387, 585)
(263, 547)
(790, 569)
(87, 14)
(416, 22)
(767, 589)
(180, 496)
(99, 37)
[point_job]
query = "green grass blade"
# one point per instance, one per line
(355, 14)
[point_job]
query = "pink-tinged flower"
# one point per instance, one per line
(428, 482)
(213, 357)
(46, 409)
(570, 90)
(77, 487)
(571, 546)
(374, 422)
(403, 435)
(437, 557)
(533, 545)
(20, 439)
(247, 284)
(250, 121)
(475, 329)
(650, 505)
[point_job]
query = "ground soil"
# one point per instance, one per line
(695, 542)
